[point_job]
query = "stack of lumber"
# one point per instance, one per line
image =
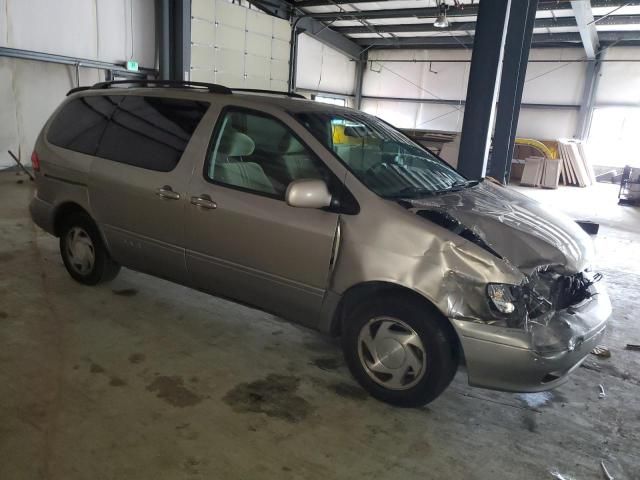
(541, 172)
(575, 169)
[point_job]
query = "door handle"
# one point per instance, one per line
(204, 201)
(167, 192)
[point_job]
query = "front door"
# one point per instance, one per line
(242, 239)
(139, 181)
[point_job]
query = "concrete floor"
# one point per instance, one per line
(144, 379)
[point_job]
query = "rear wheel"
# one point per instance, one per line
(400, 350)
(83, 251)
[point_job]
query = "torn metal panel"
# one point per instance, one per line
(524, 232)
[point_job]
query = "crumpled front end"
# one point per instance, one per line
(525, 335)
(538, 347)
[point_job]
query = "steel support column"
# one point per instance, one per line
(180, 38)
(484, 79)
(592, 77)
(589, 35)
(163, 36)
(293, 56)
(361, 66)
(514, 68)
(173, 22)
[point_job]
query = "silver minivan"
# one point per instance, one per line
(325, 216)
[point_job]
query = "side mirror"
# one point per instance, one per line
(308, 193)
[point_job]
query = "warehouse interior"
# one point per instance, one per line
(145, 378)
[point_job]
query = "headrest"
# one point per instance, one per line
(237, 144)
(354, 132)
(289, 145)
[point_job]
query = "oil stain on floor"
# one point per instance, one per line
(328, 364)
(349, 391)
(173, 391)
(274, 396)
(126, 292)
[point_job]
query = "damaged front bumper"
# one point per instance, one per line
(514, 359)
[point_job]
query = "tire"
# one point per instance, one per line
(415, 359)
(83, 251)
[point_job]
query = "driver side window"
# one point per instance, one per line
(256, 152)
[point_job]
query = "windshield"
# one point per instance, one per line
(382, 158)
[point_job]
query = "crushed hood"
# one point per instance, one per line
(510, 225)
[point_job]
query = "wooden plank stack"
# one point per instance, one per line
(575, 169)
(541, 172)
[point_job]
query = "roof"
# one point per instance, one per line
(410, 23)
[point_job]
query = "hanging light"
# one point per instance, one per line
(441, 21)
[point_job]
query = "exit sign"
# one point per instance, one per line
(132, 66)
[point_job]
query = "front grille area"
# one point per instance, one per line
(548, 290)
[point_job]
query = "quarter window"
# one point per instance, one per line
(150, 132)
(260, 154)
(146, 132)
(81, 122)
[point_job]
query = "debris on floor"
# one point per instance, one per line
(20, 164)
(588, 226)
(602, 393)
(601, 351)
(593, 366)
(607, 475)
(631, 346)
(559, 476)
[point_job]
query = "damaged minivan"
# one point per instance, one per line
(328, 217)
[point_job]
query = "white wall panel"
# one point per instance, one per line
(546, 124)
(552, 83)
(321, 68)
(3, 24)
(399, 114)
(440, 117)
(204, 9)
(620, 81)
(238, 47)
(203, 33)
(107, 30)
(556, 83)
(31, 92)
(432, 79)
(9, 135)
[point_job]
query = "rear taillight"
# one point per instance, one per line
(35, 162)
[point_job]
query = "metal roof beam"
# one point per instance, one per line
(464, 26)
(466, 41)
(329, 37)
(323, 3)
(310, 26)
(426, 12)
(586, 26)
(453, 11)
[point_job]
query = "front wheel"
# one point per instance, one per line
(400, 350)
(83, 252)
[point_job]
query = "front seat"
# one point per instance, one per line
(297, 162)
(234, 171)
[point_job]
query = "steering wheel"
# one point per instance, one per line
(372, 170)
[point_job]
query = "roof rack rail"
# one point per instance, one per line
(212, 87)
(77, 89)
(273, 92)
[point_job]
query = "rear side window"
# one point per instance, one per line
(81, 123)
(146, 132)
(150, 132)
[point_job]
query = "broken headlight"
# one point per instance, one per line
(504, 298)
(507, 302)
